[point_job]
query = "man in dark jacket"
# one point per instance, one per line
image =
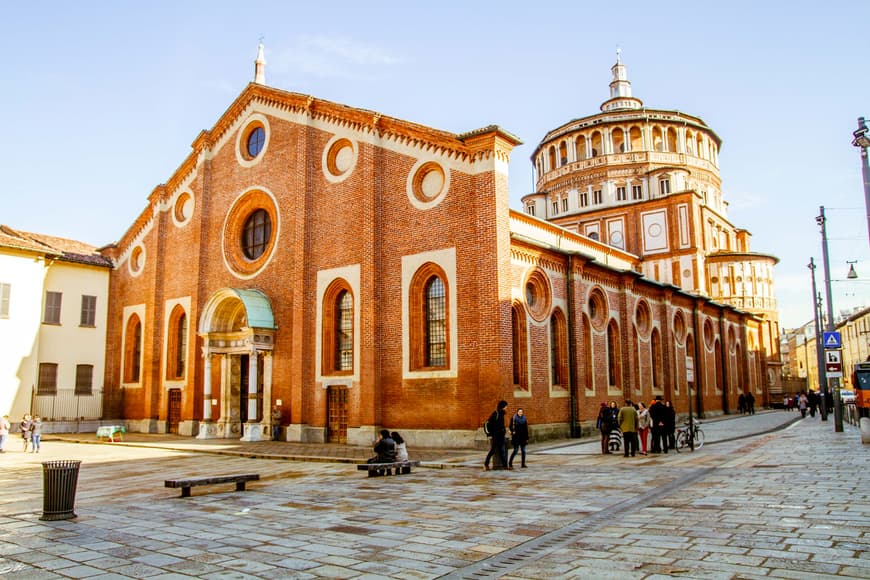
(497, 442)
(659, 416)
(385, 449)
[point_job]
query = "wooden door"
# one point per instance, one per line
(336, 409)
(174, 414)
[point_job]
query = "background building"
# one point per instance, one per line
(647, 181)
(53, 303)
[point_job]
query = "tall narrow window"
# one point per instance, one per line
(596, 196)
(344, 332)
(429, 339)
(47, 382)
(584, 199)
(84, 379)
(620, 193)
(558, 348)
(338, 329)
(436, 323)
(89, 310)
(564, 204)
(519, 347)
(132, 350)
(656, 342)
(613, 355)
(52, 307)
(5, 292)
(530, 209)
(555, 207)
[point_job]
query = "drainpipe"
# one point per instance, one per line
(573, 387)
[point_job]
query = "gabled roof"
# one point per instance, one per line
(58, 248)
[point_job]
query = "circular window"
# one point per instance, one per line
(597, 308)
(183, 210)
(708, 334)
(256, 234)
(137, 260)
(643, 318)
(252, 140)
(250, 233)
(428, 182)
(256, 141)
(538, 295)
(339, 159)
(679, 327)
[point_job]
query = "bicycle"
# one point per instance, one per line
(690, 433)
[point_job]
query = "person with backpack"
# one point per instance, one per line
(496, 430)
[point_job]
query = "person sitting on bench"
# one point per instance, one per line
(385, 449)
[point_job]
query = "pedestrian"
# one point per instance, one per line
(35, 433)
(802, 405)
(670, 426)
(643, 424)
(385, 449)
(786, 403)
(4, 432)
(627, 419)
(519, 428)
(741, 403)
(658, 416)
(750, 403)
(401, 448)
(497, 431)
(276, 423)
(603, 425)
(812, 402)
(24, 427)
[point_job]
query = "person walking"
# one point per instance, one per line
(497, 431)
(519, 428)
(658, 415)
(741, 403)
(670, 427)
(802, 405)
(627, 419)
(24, 427)
(35, 433)
(750, 403)
(603, 424)
(4, 432)
(276, 423)
(643, 424)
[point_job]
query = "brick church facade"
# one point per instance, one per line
(354, 271)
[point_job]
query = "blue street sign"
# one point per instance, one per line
(831, 339)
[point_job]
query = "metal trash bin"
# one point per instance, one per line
(59, 480)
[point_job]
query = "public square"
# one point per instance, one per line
(790, 501)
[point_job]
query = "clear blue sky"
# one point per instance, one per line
(101, 100)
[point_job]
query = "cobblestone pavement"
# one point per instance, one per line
(789, 503)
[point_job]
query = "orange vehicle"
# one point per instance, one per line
(861, 380)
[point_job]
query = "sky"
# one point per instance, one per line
(101, 100)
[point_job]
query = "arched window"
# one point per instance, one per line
(635, 138)
(672, 140)
(656, 345)
(552, 156)
(563, 153)
(580, 148)
(133, 350)
(618, 139)
(338, 329)
(596, 144)
(717, 358)
(558, 350)
(519, 347)
(176, 352)
(613, 356)
(429, 312)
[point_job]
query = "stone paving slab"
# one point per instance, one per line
(789, 504)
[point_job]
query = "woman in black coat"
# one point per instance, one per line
(519, 436)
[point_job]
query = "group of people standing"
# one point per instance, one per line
(519, 432)
(651, 429)
(30, 429)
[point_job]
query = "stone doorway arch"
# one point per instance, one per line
(238, 333)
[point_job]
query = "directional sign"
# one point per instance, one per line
(831, 339)
(833, 364)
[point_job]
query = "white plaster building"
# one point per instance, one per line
(53, 304)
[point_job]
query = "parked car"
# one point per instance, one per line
(847, 396)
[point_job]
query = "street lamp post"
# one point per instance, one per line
(862, 141)
(838, 412)
(820, 360)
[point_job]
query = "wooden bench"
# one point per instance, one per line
(186, 484)
(110, 432)
(396, 468)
